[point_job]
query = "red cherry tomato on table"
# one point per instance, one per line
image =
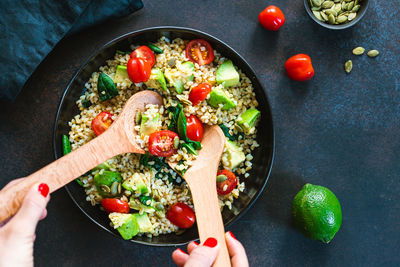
(139, 70)
(199, 93)
(199, 51)
(161, 143)
(271, 18)
(225, 187)
(145, 53)
(101, 122)
(181, 215)
(194, 128)
(299, 68)
(115, 205)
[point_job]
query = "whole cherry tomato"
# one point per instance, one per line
(145, 53)
(199, 51)
(225, 186)
(194, 128)
(161, 143)
(271, 18)
(181, 215)
(115, 205)
(139, 70)
(299, 68)
(199, 93)
(101, 122)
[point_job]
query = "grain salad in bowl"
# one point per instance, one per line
(142, 194)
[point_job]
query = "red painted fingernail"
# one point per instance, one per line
(43, 189)
(182, 251)
(232, 235)
(195, 243)
(210, 242)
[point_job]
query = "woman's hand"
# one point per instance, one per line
(18, 233)
(205, 254)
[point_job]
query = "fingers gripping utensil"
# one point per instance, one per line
(201, 179)
(118, 139)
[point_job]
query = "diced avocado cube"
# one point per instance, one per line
(247, 120)
(126, 224)
(219, 96)
(227, 74)
(135, 184)
(178, 78)
(149, 126)
(143, 220)
(233, 156)
(157, 80)
(121, 75)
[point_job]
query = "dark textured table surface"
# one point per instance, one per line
(341, 131)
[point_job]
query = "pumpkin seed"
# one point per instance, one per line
(138, 117)
(221, 178)
(105, 188)
(356, 8)
(342, 18)
(324, 16)
(327, 4)
(315, 8)
(348, 66)
(338, 8)
(119, 189)
(358, 51)
(352, 16)
(317, 15)
(176, 142)
(373, 53)
(114, 188)
(330, 11)
(331, 19)
(317, 2)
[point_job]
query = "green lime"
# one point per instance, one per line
(317, 212)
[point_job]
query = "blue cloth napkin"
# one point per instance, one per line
(29, 29)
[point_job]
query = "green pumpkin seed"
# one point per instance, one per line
(352, 16)
(176, 142)
(330, 11)
(327, 4)
(315, 8)
(317, 2)
(317, 15)
(356, 8)
(323, 15)
(348, 66)
(221, 178)
(138, 117)
(105, 188)
(331, 19)
(373, 53)
(350, 6)
(338, 8)
(114, 188)
(358, 51)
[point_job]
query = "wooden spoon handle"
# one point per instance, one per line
(61, 171)
(208, 215)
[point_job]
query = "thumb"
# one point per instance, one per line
(31, 211)
(204, 255)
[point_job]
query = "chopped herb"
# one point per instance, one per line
(86, 103)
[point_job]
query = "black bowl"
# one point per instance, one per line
(360, 14)
(263, 156)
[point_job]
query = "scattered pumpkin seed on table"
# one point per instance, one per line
(348, 66)
(335, 11)
(358, 51)
(373, 53)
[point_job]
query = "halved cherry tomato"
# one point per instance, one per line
(101, 122)
(115, 205)
(181, 215)
(139, 70)
(161, 143)
(225, 187)
(271, 18)
(199, 51)
(145, 53)
(199, 93)
(194, 128)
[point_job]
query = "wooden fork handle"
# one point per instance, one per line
(208, 215)
(61, 171)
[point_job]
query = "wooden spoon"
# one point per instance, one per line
(201, 178)
(118, 139)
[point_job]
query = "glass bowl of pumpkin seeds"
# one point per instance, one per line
(336, 14)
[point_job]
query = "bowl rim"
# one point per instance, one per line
(338, 26)
(267, 171)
